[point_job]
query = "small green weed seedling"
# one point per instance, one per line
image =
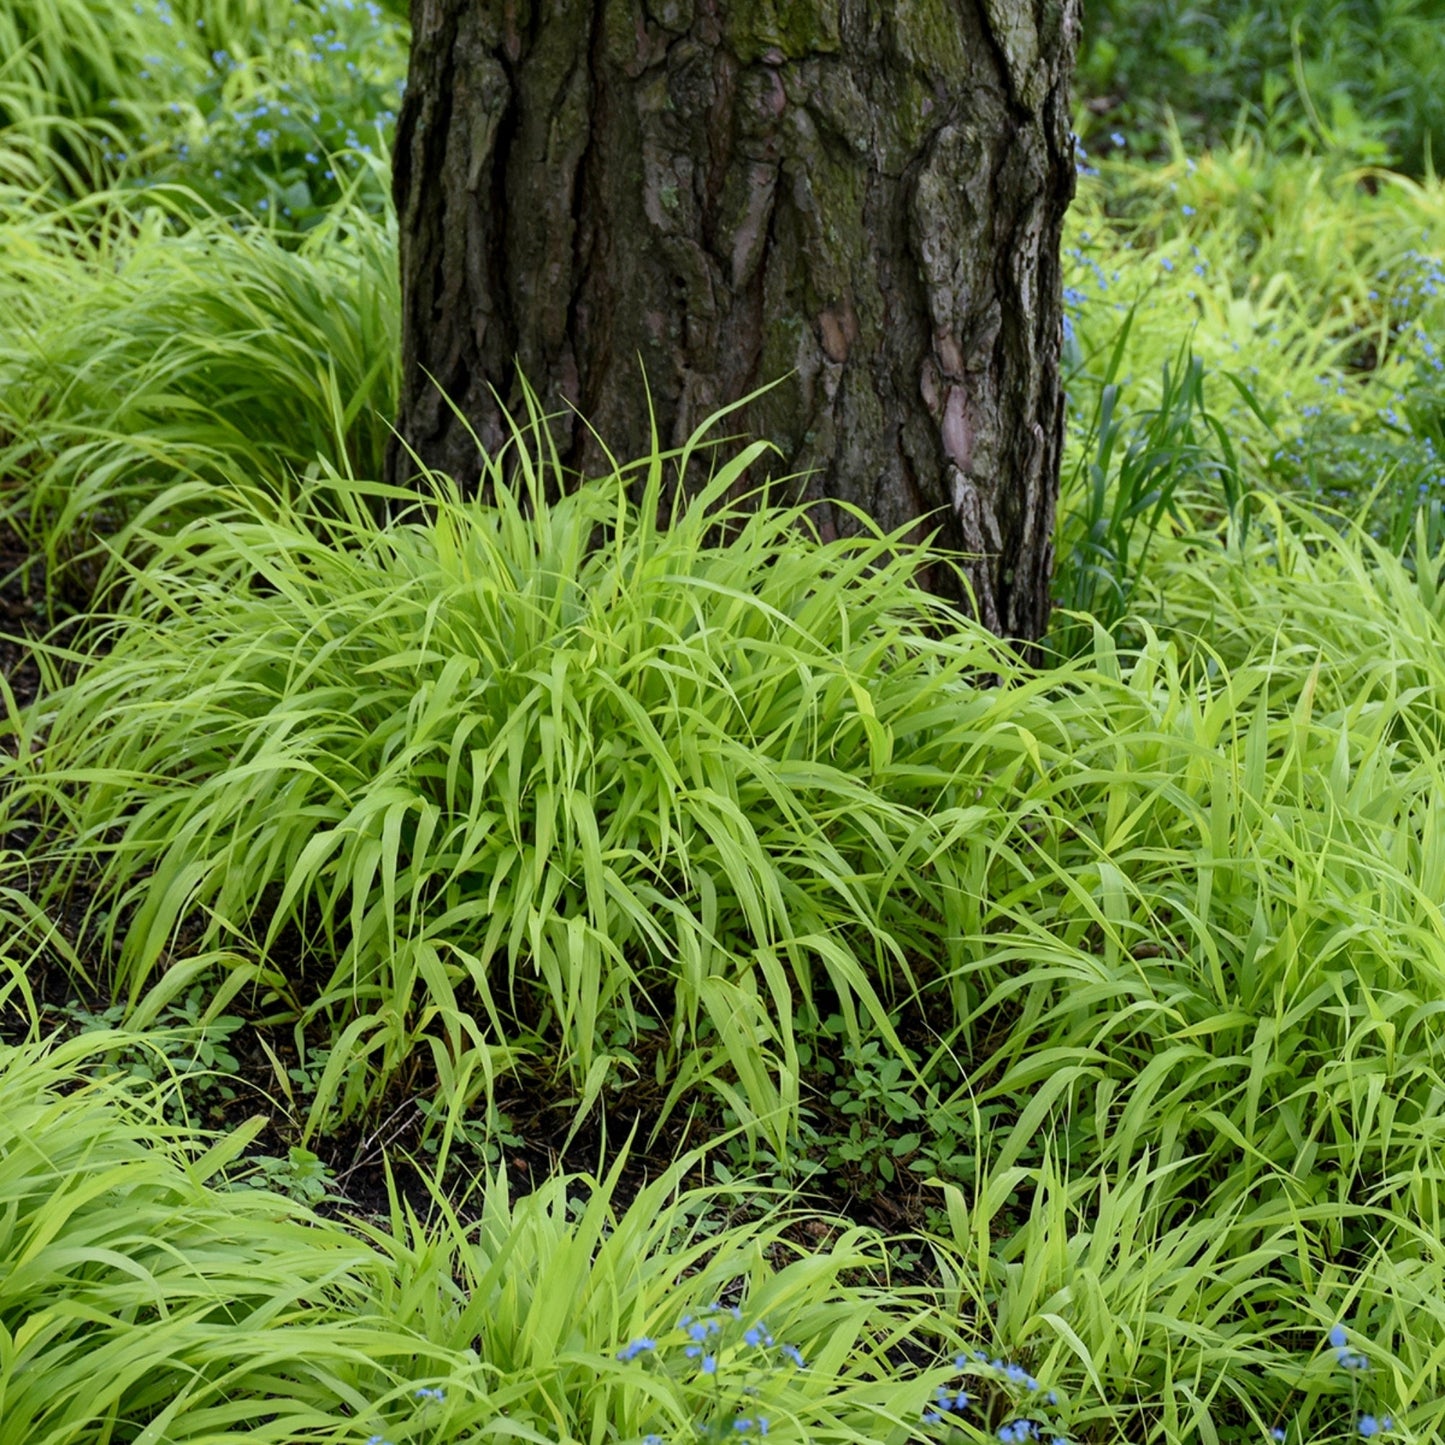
(298, 1174)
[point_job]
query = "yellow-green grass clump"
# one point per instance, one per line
(147, 1293)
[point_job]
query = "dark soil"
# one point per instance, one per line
(22, 616)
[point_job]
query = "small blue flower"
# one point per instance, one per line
(637, 1347)
(945, 1402)
(427, 1393)
(709, 1364)
(1277, 1433)
(1116, 137)
(1368, 1426)
(793, 1353)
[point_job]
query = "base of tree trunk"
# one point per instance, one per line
(862, 203)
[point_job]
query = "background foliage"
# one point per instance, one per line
(1366, 75)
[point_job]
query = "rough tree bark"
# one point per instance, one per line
(865, 196)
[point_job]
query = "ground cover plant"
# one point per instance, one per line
(496, 967)
(655, 764)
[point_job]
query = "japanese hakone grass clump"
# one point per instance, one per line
(589, 1320)
(1208, 929)
(1355, 624)
(138, 1295)
(523, 774)
(1200, 1002)
(140, 368)
(1313, 367)
(1147, 1304)
(144, 1297)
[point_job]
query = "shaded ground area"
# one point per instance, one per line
(22, 615)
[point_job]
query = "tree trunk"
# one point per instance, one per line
(693, 198)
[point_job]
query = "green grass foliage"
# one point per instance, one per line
(540, 1298)
(1129, 965)
(141, 1303)
(272, 106)
(143, 1296)
(1313, 279)
(1181, 897)
(138, 363)
(1311, 291)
